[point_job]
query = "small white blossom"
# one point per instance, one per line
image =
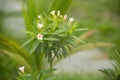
(39, 17)
(52, 12)
(65, 17)
(40, 26)
(21, 69)
(40, 36)
(58, 13)
(71, 20)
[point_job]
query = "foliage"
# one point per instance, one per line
(36, 7)
(14, 50)
(32, 8)
(11, 48)
(30, 11)
(113, 74)
(43, 75)
(52, 35)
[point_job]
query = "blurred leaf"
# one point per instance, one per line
(45, 75)
(77, 39)
(51, 39)
(64, 52)
(4, 41)
(27, 42)
(34, 47)
(17, 58)
(25, 16)
(61, 5)
(113, 74)
(109, 72)
(32, 9)
(14, 50)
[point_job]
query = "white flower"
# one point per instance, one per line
(71, 19)
(58, 13)
(40, 36)
(40, 26)
(39, 17)
(52, 12)
(21, 69)
(65, 17)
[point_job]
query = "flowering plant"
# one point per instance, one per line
(43, 75)
(52, 35)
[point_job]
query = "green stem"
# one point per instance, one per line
(51, 62)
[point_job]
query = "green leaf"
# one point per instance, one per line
(34, 47)
(51, 77)
(64, 51)
(60, 31)
(77, 39)
(27, 42)
(39, 76)
(109, 72)
(17, 57)
(45, 75)
(40, 49)
(62, 35)
(69, 47)
(14, 47)
(51, 39)
(26, 16)
(32, 9)
(70, 42)
(43, 5)
(61, 5)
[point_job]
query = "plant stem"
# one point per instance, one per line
(51, 62)
(52, 58)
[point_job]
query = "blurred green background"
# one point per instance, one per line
(101, 15)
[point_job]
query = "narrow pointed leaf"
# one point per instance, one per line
(27, 42)
(51, 39)
(77, 39)
(34, 47)
(61, 5)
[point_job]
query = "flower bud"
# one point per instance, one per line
(21, 69)
(52, 12)
(65, 17)
(71, 20)
(58, 13)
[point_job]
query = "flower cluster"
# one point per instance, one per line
(53, 13)
(64, 17)
(52, 34)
